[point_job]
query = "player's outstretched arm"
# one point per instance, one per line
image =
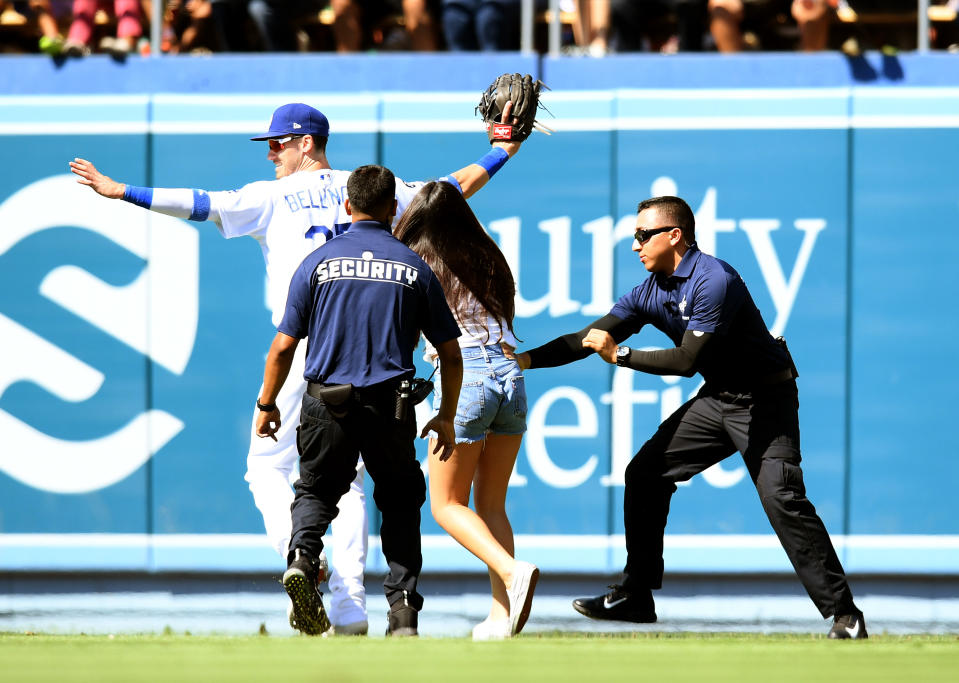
(87, 174)
(508, 106)
(473, 177)
(192, 205)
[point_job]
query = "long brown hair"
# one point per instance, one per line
(440, 226)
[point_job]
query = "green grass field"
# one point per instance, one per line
(555, 658)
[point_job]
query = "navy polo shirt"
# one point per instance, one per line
(362, 299)
(706, 294)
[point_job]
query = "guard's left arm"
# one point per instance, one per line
(278, 363)
(680, 360)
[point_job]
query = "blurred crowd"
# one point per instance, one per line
(76, 28)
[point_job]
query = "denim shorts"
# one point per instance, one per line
(492, 398)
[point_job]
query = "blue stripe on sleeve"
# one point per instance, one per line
(452, 181)
(141, 196)
(201, 206)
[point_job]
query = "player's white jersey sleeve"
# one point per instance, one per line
(247, 211)
(404, 195)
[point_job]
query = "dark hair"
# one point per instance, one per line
(319, 142)
(440, 226)
(371, 189)
(677, 211)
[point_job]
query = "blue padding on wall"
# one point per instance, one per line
(758, 70)
(258, 73)
(326, 72)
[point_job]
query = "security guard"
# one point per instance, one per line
(749, 404)
(362, 300)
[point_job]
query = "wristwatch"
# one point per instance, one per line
(622, 356)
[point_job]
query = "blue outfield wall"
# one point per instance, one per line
(133, 342)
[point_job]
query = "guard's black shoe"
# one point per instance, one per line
(299, 581)
(849, 627)
(619, 604)
(402, 619)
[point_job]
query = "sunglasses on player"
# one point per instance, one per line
(642, 235)
(277, 144)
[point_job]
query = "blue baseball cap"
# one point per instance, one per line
(296, 119)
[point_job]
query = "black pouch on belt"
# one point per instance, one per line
(338, 398)
(792, 365)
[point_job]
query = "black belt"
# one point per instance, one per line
(738, 394)
(325, 392)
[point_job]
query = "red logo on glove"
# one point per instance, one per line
(502, 131)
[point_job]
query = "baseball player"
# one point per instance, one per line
(290, 217)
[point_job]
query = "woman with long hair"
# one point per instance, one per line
(491, 415)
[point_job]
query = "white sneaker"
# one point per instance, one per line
(356, 628)
(492, 629)
(520, 594)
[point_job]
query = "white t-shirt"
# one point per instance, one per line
(290, 217)
(469, 316)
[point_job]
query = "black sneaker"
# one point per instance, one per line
(299, 581)
(619, 604)
(849, 627)
(402, 619)
(322, 572)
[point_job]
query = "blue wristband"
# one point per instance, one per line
(493, 160)
(201, 206)
(141, 196)
(452, 181)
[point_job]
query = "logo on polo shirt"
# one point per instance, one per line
(366, 268)
(89, 275)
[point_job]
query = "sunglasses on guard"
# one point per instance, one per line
(643, 235)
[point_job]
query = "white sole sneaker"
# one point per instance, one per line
(525, 576)
(492, 629)
(356, 628)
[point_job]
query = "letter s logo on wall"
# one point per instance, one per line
(155, 315)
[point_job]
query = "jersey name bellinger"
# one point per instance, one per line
(366, 268)
(325, 198)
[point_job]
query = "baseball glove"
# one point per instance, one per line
(523, 92)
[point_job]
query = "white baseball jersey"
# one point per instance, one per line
(290, 217)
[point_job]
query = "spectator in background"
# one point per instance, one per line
(229, 19)
(38, 16)
(347, 25)
(259, 25)
(129, 28)
(485, 25)
(591, 30)
(384, 24)
(657, 25)
(813, 18)
(187, 27)
(739, 24)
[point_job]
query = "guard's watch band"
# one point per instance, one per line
(265, 407)
(622, 356)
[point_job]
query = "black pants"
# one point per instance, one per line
(329, 448)
(764, 427)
